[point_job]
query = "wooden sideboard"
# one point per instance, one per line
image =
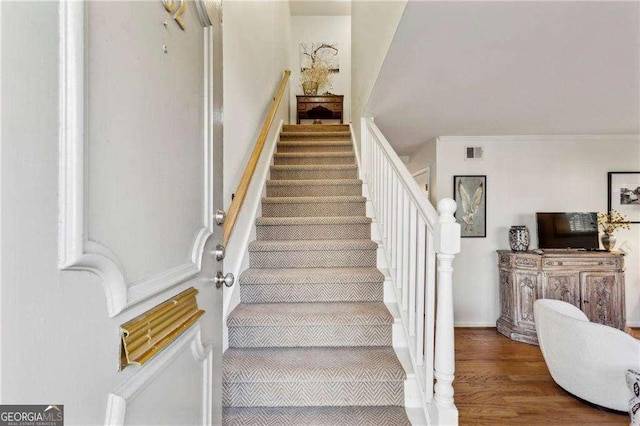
(592, 281)
(320, 107)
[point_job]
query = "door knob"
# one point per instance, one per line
(219, 217)
(227, 280)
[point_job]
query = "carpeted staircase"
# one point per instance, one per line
(310, 342)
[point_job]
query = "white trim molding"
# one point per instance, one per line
(125, 392)
(537, 138)
(75, 251)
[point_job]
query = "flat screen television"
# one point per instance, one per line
(567, 230)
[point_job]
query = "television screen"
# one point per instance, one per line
(567, 230)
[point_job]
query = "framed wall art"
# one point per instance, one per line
(320, 52)
(470, 193)
(623, 194)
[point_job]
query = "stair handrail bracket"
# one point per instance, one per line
(415, 237)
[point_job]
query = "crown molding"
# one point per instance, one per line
(538, 138)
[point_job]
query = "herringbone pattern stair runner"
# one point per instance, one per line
(310, 342)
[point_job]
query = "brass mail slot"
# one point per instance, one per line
(147, 334)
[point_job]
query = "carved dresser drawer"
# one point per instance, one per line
(584, 263)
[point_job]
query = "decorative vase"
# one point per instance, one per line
(519, 238)
(608, 241)
(310, 88)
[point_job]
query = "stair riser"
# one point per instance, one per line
(310, 293)
(313, 174)
(313, 190)
(312, 394)
(314, 232)
(310, 336)
(313, 209)
(313, 160)
(313, 259)
(320, 137)
(319, 147)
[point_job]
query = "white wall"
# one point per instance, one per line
(306, 29)
(143, 168)
(257, 40)
(373, 25)
(526, 175)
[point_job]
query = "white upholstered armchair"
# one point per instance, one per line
(586, 359)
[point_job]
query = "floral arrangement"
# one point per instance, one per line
(317, 73)
(611, 221)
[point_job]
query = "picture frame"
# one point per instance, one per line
(324, 52)
(623, 194)
(470, 194)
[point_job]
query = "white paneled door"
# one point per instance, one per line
(110, 178)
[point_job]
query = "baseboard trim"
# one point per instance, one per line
(475, 324)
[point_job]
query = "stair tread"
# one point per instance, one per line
(314, 154)
(321, 133)
(254, 276)
(308, 200)
(330, 364)
(304, 167)
(309, 314)
(315, 127)
(307, 416)
(314, 182)
(303, 142)
(311, 245)
(313, 220)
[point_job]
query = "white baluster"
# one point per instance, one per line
(413, 233)
(379, 185)
(421, 282)
(385, 201)
(394, 219)
(381, 196)
(376, 176)
(429, 312)
(405, 253)
(362, 172)
(448, 245)
(370, 154)
(399, 253)
(389, 183)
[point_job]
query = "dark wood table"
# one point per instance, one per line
(317, 107)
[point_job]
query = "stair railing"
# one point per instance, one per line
(415, 235)
(245, 180)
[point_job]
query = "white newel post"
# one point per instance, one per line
(447, 246)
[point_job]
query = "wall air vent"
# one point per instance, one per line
(473, 153)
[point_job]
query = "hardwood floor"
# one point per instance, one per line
(499, 381)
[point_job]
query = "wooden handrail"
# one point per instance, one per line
(243, 185)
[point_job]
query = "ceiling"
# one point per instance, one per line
(320, 8)
(510, 68)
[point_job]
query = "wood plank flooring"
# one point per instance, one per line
(502, 382)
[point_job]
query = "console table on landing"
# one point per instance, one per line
(319, 107)
(592, 281)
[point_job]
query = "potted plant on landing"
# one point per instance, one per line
(314, 77)
(609, 222)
